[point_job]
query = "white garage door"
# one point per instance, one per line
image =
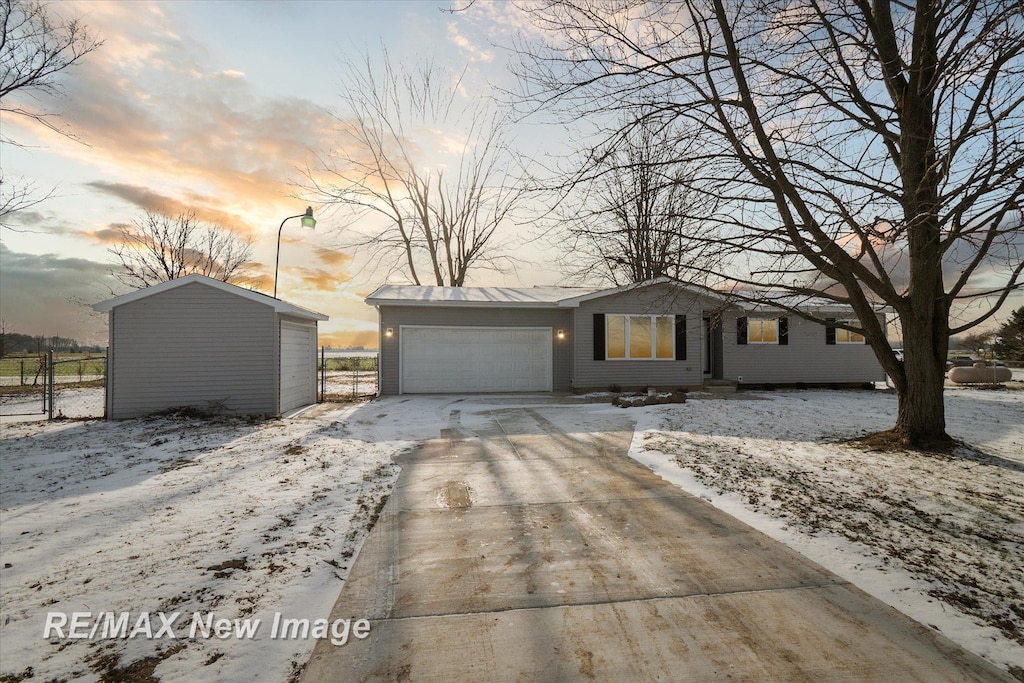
(298, 365)
(475, 359)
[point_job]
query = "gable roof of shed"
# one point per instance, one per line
(277, 304)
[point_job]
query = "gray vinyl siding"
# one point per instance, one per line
(806, 359)
(590, 374)
(449, 316)
(191, 346)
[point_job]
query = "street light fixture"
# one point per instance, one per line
(307, 222)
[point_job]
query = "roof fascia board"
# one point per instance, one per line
(574, 302)
(462, 304)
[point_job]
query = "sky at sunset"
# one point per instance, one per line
(216, 107)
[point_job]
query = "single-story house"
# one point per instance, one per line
(203, 343)
(660, 333)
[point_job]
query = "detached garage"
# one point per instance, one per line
(201, 343)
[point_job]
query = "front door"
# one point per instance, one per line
(713, 366)
(709, 349)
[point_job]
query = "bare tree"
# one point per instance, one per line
(975, 342)
(632, 208)
(864, 152)
(425, 166)
(158, 248)
(36, 46)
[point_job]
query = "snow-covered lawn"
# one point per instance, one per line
(243, 519)
(226, 517)
(939, 537)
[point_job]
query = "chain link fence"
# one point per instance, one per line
(53, 385)
(347, 377)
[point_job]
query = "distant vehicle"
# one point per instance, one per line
(899, 354)
(959, 362)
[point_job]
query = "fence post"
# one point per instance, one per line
(22, 372)
(49, 382)
(106, 379)
(323, 373)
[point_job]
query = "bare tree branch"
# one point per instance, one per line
(16, 195)
(36, 47)
(158, 248)
(426, 166)
(632, 209)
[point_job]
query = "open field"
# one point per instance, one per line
(67, 364)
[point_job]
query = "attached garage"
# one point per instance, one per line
(201, 343)
(449, 359)
(450, 340)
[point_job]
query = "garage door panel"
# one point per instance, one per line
(298, 366)
(474, 359)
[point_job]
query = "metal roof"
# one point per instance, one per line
(527, 297)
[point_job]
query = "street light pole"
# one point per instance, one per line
(307, 222)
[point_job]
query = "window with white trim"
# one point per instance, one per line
(844, 336)
(640, 337)
(762, 330)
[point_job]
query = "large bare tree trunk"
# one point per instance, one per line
(921, 416)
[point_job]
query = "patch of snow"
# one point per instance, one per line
(939, 538)
(345, 384)
(225, 516)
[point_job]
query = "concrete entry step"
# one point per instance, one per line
(720, 386)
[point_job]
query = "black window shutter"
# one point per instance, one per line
(783, 331)
(680, 337)
(830, 331)
(741, 330)
(599, 336)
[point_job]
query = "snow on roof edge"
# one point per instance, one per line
(279, 305)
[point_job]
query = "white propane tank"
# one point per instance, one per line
(981, 374)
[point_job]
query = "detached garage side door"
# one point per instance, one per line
(298, 365)
(474, 359)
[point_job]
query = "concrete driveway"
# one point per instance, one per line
(532, 548)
